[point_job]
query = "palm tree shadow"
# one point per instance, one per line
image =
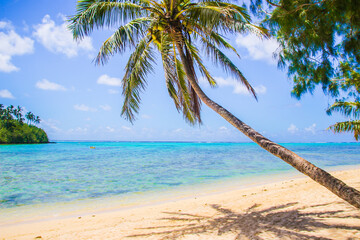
(282, 222)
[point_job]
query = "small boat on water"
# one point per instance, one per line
(92, 147)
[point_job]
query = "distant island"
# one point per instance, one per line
(14, 129)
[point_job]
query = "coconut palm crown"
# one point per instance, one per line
(168, 26)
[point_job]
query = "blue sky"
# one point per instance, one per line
(45, 71)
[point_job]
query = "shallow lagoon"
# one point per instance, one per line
(67, 171)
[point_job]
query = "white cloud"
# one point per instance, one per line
(78, 130)
(105, 107)
(110, 81)
(239, 88)
(11, 44)
(311, 128)
(144, 116)
(59, 39)
(110, 129)
(292, 129)
(261, 89)
(4, 24)
(47, 85)
(6, 94)
(84, 108)
(258, 48)
(126, 128)
(112, 91)
(50, 124)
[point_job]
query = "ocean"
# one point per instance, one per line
(68, 171)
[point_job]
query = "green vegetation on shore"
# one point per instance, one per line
(319, 45)
(13, 129)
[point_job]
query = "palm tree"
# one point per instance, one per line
(30, 117)
(8, 113)
(348, 109)
(18, 114)
(2, 112)
(37, 120)
(175, 28)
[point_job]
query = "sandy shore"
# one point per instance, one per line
(292, 209)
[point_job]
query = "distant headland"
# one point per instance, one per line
(14, 129)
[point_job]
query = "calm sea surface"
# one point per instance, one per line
(66, 171)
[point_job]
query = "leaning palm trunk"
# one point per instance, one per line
(338, 187)
(169, 24)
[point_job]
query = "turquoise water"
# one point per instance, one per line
(66, 171)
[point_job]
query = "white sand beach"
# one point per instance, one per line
(296, 208)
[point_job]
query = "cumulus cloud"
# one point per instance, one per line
(292, 129)
(112, 91)
(6, 94)
(105, 107)
(50, 124)
(58, 38)
(84, 108)
(311, 128)
(238, 88)
(145, 116)
(110, 129)
(110, 81)
(126, 128)
(78, 130)
(47, 85)
(11, 44)
(258, 49)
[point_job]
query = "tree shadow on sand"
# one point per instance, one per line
(281, 222)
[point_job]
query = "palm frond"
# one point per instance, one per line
(134, 81)
(125, 36)
(170, 71)
(195, 54)
(216, 15)
(92, 14)
(221, 59)
(348, 126)
(348, 109)
(221, 42)
(178, 88)
(187, 99)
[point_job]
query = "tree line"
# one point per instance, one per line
(13, 128)
(12, 113)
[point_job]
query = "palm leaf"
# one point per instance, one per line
(348, 109)
(178, 88)
(194, 53)
(220, 58)
(134, 81)
(102, 13)
(125, 36)
(348, 126)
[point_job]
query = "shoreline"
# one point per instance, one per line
(223, 192)
(61, 210)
